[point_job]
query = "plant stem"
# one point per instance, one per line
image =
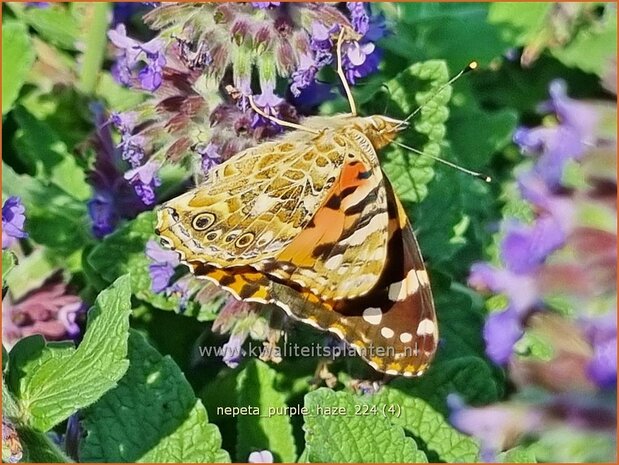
(94, 53)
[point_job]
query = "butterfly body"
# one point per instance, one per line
(309, 222)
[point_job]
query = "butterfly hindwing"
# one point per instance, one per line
(394, 326)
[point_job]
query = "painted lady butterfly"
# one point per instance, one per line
(309, 222)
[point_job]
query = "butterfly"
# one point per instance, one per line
(309, 222)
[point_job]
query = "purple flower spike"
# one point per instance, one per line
(260, 456)
(13, 219)
(163, 263)
(304, 75)
(501, 332)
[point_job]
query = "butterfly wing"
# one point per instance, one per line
(341, 253)
(394, 326)
(253, 205)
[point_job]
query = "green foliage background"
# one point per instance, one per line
(142, 393)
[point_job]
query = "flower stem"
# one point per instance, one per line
(94, 51)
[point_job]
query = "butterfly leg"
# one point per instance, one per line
(340, 72)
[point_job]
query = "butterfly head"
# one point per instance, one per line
(381, 130)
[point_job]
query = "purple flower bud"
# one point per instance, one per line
(269, 103)
(359, 17)
(13, 219)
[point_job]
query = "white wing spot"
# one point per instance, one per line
(402, 289)
(387, 332)
(422, 276)
(406, 337)
(425, 327)
(373, 315)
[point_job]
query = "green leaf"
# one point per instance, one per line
(51, 381)
(53, 217)
(470, 377)
(456, 32)
(440, 441)
(416, 87)
(18, 57)
(344, 436)
(55, 24)
(124, 252)
(518, 454)
(152, 416)
(38, 144)
(520, 22)
(8, 263)
(256, 388)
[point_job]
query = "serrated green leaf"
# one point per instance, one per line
(350, 437)
(55, 218)
(124, 252)
(440, 441)
(18, 57)
(51, 381)
(152, 416)
(8, 263)
(256, 388)
(416, 87)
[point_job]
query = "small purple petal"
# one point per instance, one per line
(13, 219)
(521, 290)
(163, 263)
(501, 332)
(232, 350)
(210, 156)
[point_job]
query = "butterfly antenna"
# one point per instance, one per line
(470, 67)
(445, 162)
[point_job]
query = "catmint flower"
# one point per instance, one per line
(144, 179)
(210, 156)
(114, 198)
(162, 266)
(232, 350)
(13, 219)
(147, 59)
(260, 456)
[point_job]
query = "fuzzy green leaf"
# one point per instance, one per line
(519, 454)
(124, 252)
(51, 381)
(17, 58)
(439, 440)
(417, 87)
(152, 416)
(256, 388)
(350, 437)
